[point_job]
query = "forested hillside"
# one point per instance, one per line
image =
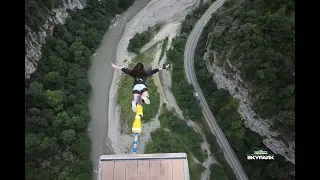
(242, 140)
(56, 94)
(258, 38)
(227, 37)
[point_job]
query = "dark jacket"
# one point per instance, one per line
(140, 79)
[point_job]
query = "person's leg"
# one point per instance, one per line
(145, 95)
(135, 95)
(133, 102)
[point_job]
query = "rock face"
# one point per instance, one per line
(61, 13)
(35, 40)
(239, 90)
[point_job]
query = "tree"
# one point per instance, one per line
(36, 89)
(82, 146)
(68, 136)
(75, 73)
(58, 65)
(80, 123)
(83, 176)
(65, 176)
(217, 172)
(70, 100)
(53, 80)
(83, 168)
(48, 115)
(252, 139)
(33, 112)
(239, 133)
(74, 25)
(62, 49)
(34, 95)
(124, 4)
(93, 35)
(36, 124)
(48, 146)
(55, 99)
(63, 121)
(51, 41)
(273, 170)
(82, 98)
(83, 85)
(67, 36)
(32, 143)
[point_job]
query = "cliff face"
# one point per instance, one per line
(232, 82)
(250, 51)
(35, 40)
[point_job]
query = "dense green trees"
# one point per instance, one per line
(259, 38)
(139, 40)
(181, 89)
(56, 94)
(186, 134)
(242, 140)
(176, 136)
(217, 172)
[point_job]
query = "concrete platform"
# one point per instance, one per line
(166, 166)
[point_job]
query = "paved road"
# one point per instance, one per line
(191, 77)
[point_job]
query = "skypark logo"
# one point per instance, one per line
(260, 155)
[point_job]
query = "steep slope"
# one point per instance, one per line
(251, 54)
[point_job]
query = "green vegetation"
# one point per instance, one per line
(258, 37)
(186, 134)
(242, 140)
(139, 40)
(217, 172)
(183, 91)
(176, 136)
(125, 94)
(163, 48)
(56, 94)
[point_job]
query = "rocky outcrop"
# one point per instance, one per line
(33, 43)
(35, 40)
(231, 81)
(61, 13)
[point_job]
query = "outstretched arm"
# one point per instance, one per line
(157, 70)
(125, 70)
(164, 67)
(115, 66)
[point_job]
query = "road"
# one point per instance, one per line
(191, 77)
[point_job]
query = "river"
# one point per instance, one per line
(100, 78)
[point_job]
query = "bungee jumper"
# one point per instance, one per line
(140, 76)
(140, 95)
